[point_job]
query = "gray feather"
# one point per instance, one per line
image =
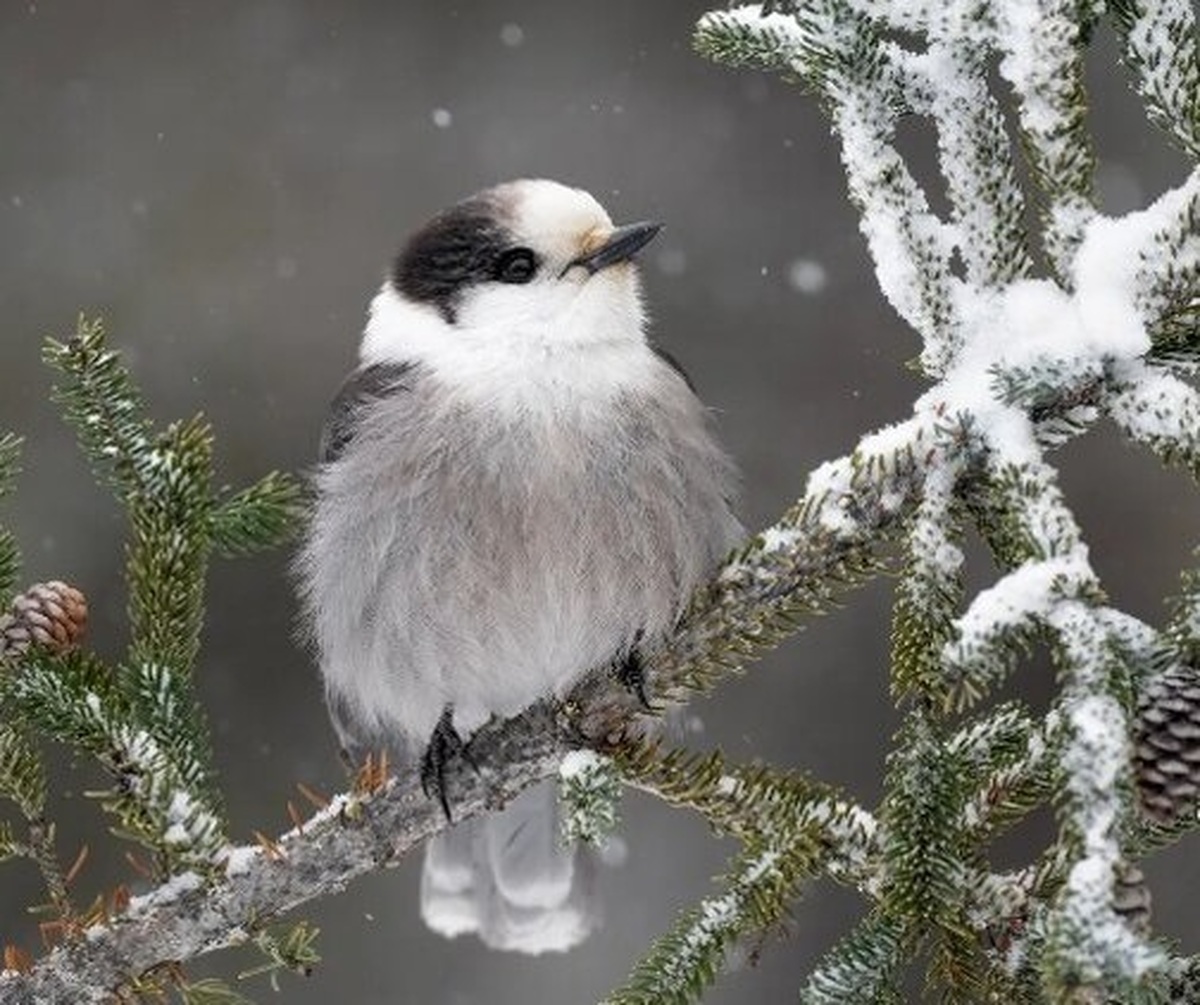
(364, 386)
(483, 558)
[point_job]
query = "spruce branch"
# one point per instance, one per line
(1161, 411)
(75, 700)
(930, 589)
(46, 618)
(142, 720)
(168, 550)
(22, 777)
(789, 828)
(1023, 364)
(821, 544)
(861, 969)
(1167, 243)
(1042, 44)
(100, 401)
(757, 805)
(948, 83)
(23, 782)
(837, 51)
(262, 516)
(1182, 632)
(589, 793)
(922, 789)
(188, 917)
(1011, 762)
(10, 557)
(686, 960)
(1167, 77)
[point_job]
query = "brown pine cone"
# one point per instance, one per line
(1167, 751)
(1131, 898)
(51, 614)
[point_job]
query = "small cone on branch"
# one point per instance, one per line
(52, 614)
(1131, 898)
(1167, 751)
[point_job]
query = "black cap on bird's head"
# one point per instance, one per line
(514, 234)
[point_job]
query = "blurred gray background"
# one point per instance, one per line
(225, 184)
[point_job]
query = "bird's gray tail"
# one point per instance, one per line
(508, 878)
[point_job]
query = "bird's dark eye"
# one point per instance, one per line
(518, 265)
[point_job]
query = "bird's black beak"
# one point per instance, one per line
(622, 244)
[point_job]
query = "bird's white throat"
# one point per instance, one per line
(518, 349)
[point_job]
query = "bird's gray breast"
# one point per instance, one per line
(484, 557)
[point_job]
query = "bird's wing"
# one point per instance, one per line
(674, 364)
(363, 386)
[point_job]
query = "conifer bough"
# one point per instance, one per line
(1031, 335)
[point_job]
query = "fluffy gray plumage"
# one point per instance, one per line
(516, 489)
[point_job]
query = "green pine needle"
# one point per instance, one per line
(263, 515)
(1171, 92)
(10, 846)
(210, 991)
(687, 959)
(862, 968)
(101, 402)
(10, 556)
(10, 460)
(294, 950)
(167, 558)
(22, 777)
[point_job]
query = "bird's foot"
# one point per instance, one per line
(445, 744)
(632, 674)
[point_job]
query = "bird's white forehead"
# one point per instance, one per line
(542, 212)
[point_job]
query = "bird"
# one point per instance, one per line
(515, 487)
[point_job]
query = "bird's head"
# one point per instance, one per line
(529, 266)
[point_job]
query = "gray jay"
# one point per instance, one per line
(515, 488)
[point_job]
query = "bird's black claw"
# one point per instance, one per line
(444, 745)
(632, 674)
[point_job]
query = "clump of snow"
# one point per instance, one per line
(581, 762)
(779, 538)
(729, 786)
(1027, 593)
(171, 890)
(239, 859)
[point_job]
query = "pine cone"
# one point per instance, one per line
(1131, 898)
(1167, 753)
(51, 614)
